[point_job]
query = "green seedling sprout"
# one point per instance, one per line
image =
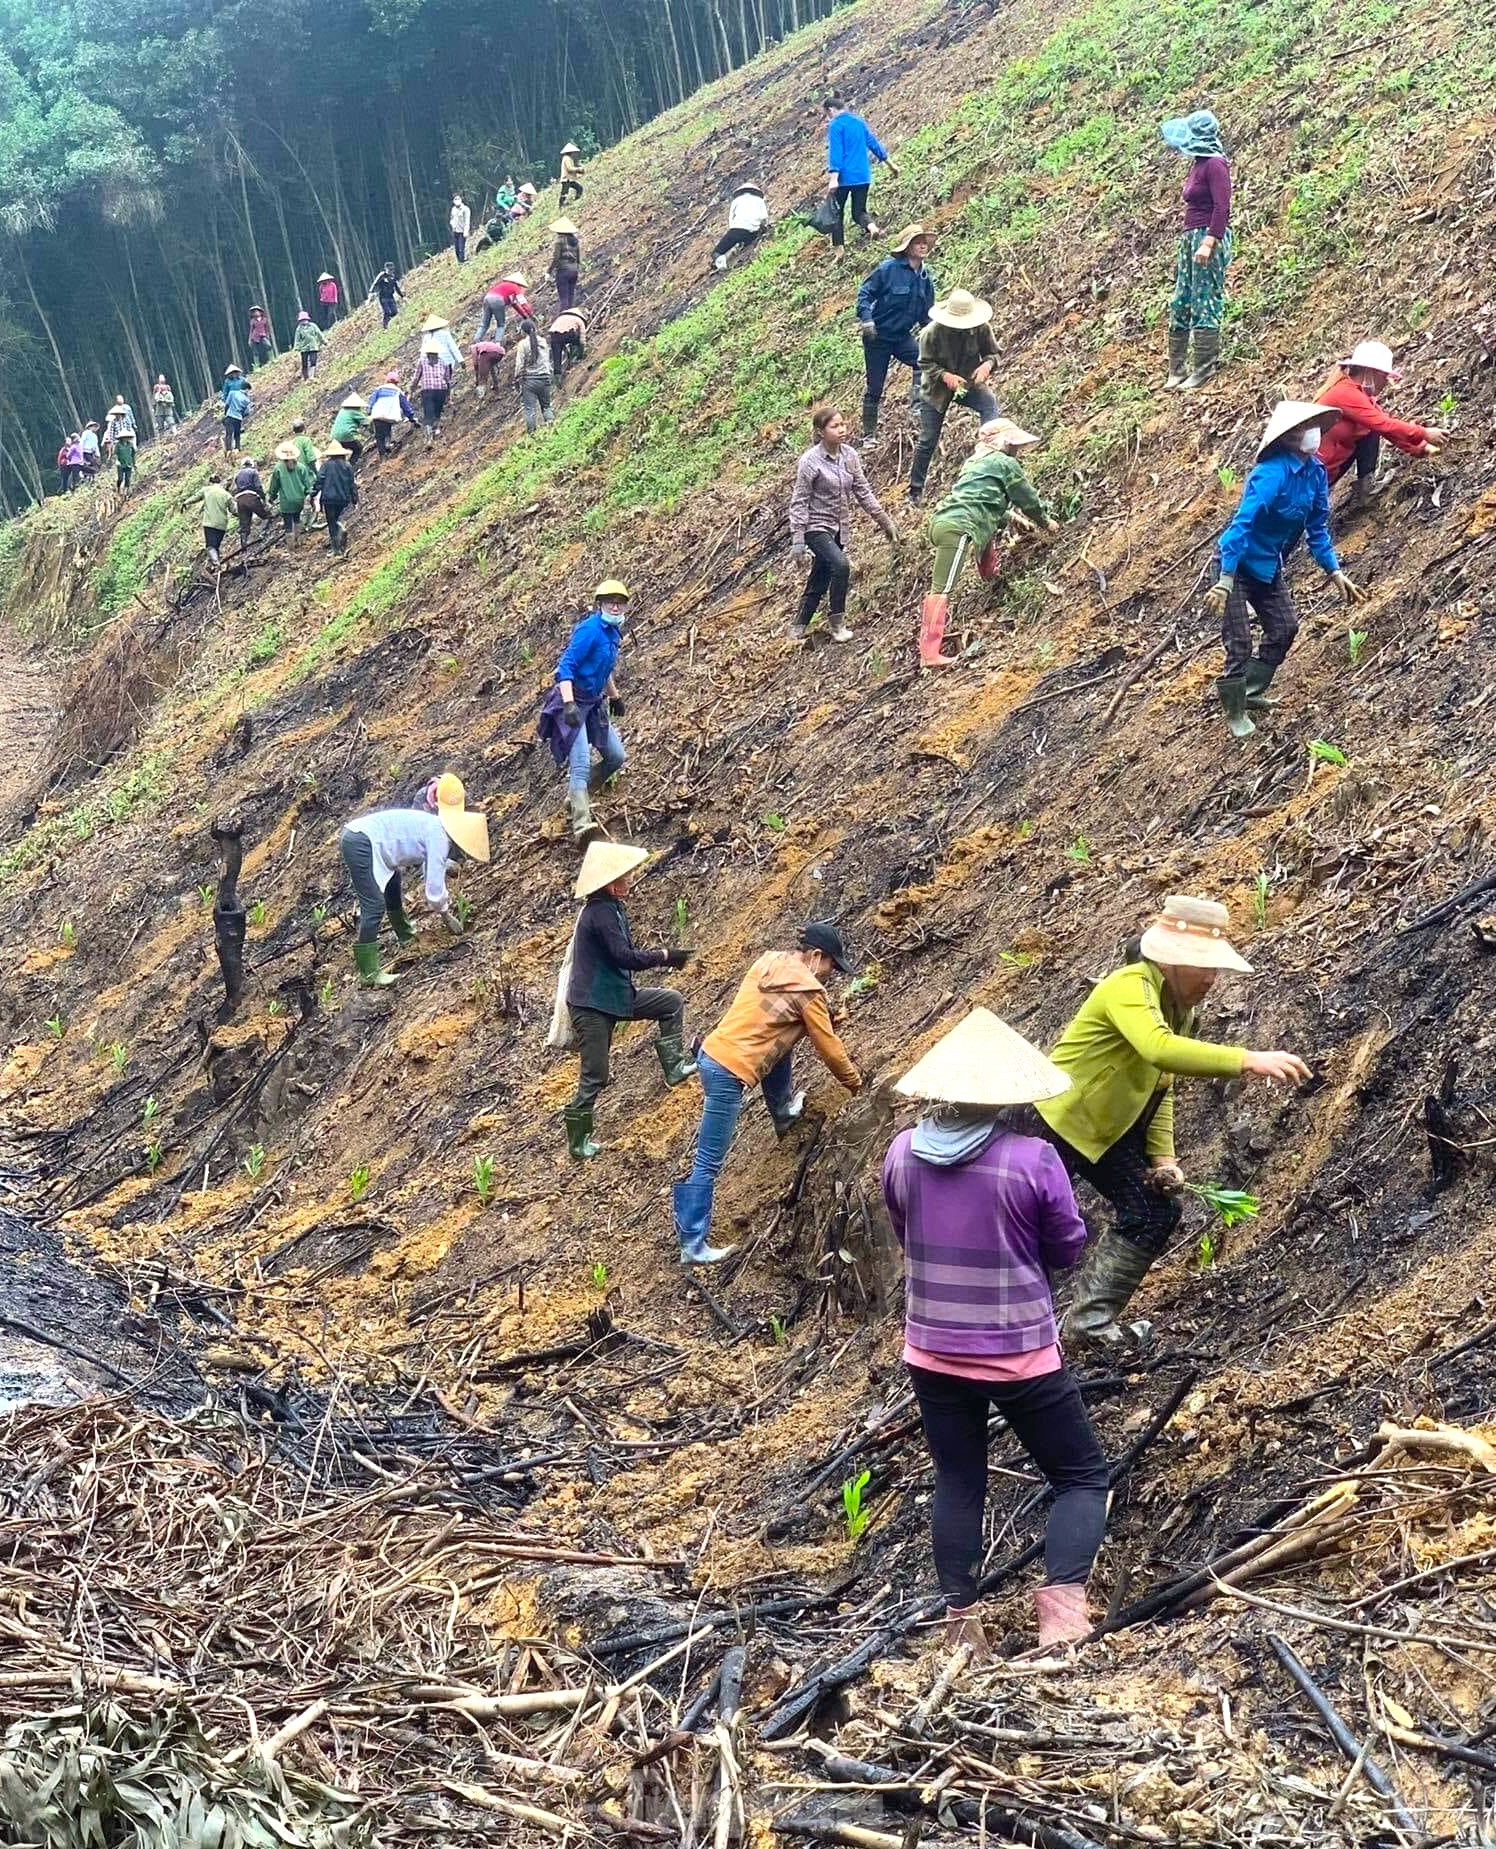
(1355, 641)
(119, 1053)
(151, 1112)
(463, 908)
(358, 1183)
(1325, 752)
(205, 893)
(66, 935)
(857, 1515)
(775, 822)
(777, 1329)
(1259, 900)
(153, 1154)
(327, 991)
(254, 1162)
(1017, 959)
(56, 1026)
(319, 914)
(1079, 850)
(1233, 1205)
(682, 919)
(257, 912)
(867, 982)
(483, 1177)
(599, 1276)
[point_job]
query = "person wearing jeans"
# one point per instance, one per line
(957, 353)
(601, 992)
(851, 146)
(533, 376)
(828, 479)
(893, 304)
(577, 713)
(781, 1001)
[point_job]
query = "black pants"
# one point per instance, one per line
(288, 521)
(1048, 1418)
(213, 538)
(432, 406)
(459, 246)
(308, 362)
(327, 313)
(1274, 610)
(1145, 1218)
(259, 354)
(1368, 453)
(832, 571)
(570, 189)
(977, 398)
(858, 196)
(122, 475)
(564, 347)
(232, 430)
(594, 1033)
(358, 858)
(334, 510)
(248, 505)
(387, 309)
(383, 430)
(731, 240)
(354, 447)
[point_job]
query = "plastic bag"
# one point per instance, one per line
(562, 1032)
(827, 216)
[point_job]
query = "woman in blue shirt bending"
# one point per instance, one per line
(1286, 499)
(579, 709)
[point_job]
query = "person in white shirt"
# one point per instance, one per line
(747, 219)
(461, 222)
(376, 847)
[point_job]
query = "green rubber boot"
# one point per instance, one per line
(1113, 1270)
(579, 1144)
(675, 1063)
(1233, 691)
(1207, 357)
(1179, 358)
(1257, 677)
(404, 929)
(366, 960)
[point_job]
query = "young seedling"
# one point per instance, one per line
(867, 982)
(119, 1053)
(66, 935)
(682, 920)
(205, 893)
(1017, 959)
(1227, 476)
(1326, 753)
(599, 1276)
(257, 912)
(1025, 829)
(358, 1183)
(777, 1329)
(775, 822)
(56, 1026)
(1259, 900)
(877, 665)
(275, 1008)
(857, 1515)
(1079, 850)
(254, 1162)
(327, 991)
(1205, 1251)
(483, 1177)
(1448, 405)
(1355, 642)
(153, 1154)
(319, 915)
(1233, 1205)
(463, 908)
(151, 1112)
(527, 654)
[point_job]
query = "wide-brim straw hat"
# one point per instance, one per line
(332, 449)
(1292, 415)
(353, 403)
(983, 1062)
(961, 309)
(527, 189)
(1375, 356)
(467, 827)
(286, 452)
(907, 236)
(433, 324)
(327, 276)
(563, 227)
(1003, 430)
(604, 862)
(1191, 934)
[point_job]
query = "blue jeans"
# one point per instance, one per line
(723, 1095)
(581, 774)
(878, 355)
(932, 421)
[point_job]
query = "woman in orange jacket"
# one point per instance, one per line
(1354, 390)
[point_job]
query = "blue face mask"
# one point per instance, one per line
(613, 613)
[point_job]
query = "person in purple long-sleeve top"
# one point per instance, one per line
(985, 1214)
(1204, 251)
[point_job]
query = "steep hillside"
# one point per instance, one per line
(500, 1451)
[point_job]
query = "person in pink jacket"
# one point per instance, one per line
(1355, 390)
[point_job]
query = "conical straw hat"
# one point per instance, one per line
(565, 226)
(467, 827)
(606, 861)
(353, 403)
(983, 1062)
(1191, 934)
(1293, 414)
(433, 324)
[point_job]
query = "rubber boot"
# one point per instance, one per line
(1233, 691)
(404, 929)
(1364, 490)
(786, 1120)
(1113, 1270)
(1257, 677)
(370, 975)
(932, 617)
(704, 1254)
(579, 1144)
(1063, 1618)
(1207, 357)
(676, 1065)
(579, 808)
(963, 1625)
(869, 423)
(1179, 358)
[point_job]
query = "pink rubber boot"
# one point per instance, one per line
(932, 632)
(1063, 1618)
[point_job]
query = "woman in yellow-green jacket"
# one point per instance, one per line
(1115, 1126)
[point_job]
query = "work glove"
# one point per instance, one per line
(890, 532)
(1351, 593)
(867, 329)
(798, 552)
(451, 921)
(1217, 597)
(677, 959)
(615, 706)
(572, 714)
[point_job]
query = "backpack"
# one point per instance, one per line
(562, 1033)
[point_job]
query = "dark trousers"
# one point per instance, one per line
(1273, 608)
(1048, 1418)
(122, 475)
(308, 363)
(1145, 1218)
(432, 406)
(248, 505)
(731, 240)
(459, 246)
(877, 356)
(566, 288)
(358, 858)
(563, 347)
(232, 430)
(327, 313)
(831, 571)
(212, 538)
(354, 447)
(337, 539)
(858, 196)
(382, 432)
(387, 309)
(932, 421)
(1367, 454)
(594, 1034)
(570, 189)
(259, 353)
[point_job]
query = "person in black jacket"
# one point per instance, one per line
(601, 991)
(336, 492)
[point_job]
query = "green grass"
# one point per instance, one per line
(146, 536)
(54, 835)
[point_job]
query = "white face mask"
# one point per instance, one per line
(1309, 441)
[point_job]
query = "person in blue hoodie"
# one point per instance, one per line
(236, 408)
(1286, 499)
(851, 147)
(893, 304)
(578, 713)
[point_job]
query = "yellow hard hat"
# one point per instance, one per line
(611, 587)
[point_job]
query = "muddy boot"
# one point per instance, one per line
(963, 1625)
(579, 808)
(1257, 677)
(1364, 491)
(675, 1063)
(869, 423)
(579, 1144)
(370, 975)
(1179, 358)
(404, 929)
(786, 1120)
(932, 617)
(1113, 1270)
(1063, 1618)
(1207, 357)
(1233, 691)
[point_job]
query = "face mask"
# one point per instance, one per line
(613, 613)
(1309, 441)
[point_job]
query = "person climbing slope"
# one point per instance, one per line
(351, 426)
(893, 304)
(1114, 1127)
(1203, 253)
(388, 291)
(747, 220)
(568, 343)
(376, 847)
(305, 448)
(532, 374)
(985, 1215)
(217, 516)
(163, 405)
(849, 174)
(434, 328)
(124, 460)
(571, 174)
(432, 378)
(990, 487)
(488, 357)
(578, 711)
(249, 498)
(780, 1002)
(601, 993)
(327, 299)
(337, 491)
(565, 267)
(291, 487)
(388, 406)
(307, 341)
(829, 477)
(260, 349)
(460, 219)
(957, 353)
(505, 294)
(1355, 390)
(236, 409)
(1286, 498)
(119, 420)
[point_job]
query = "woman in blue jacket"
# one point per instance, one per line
(579, 709)
(1286, 499)
(851, 147)
(893, 304)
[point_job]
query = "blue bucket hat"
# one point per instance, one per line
(1197, 135)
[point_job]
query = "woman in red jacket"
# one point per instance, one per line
(1354, 390)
